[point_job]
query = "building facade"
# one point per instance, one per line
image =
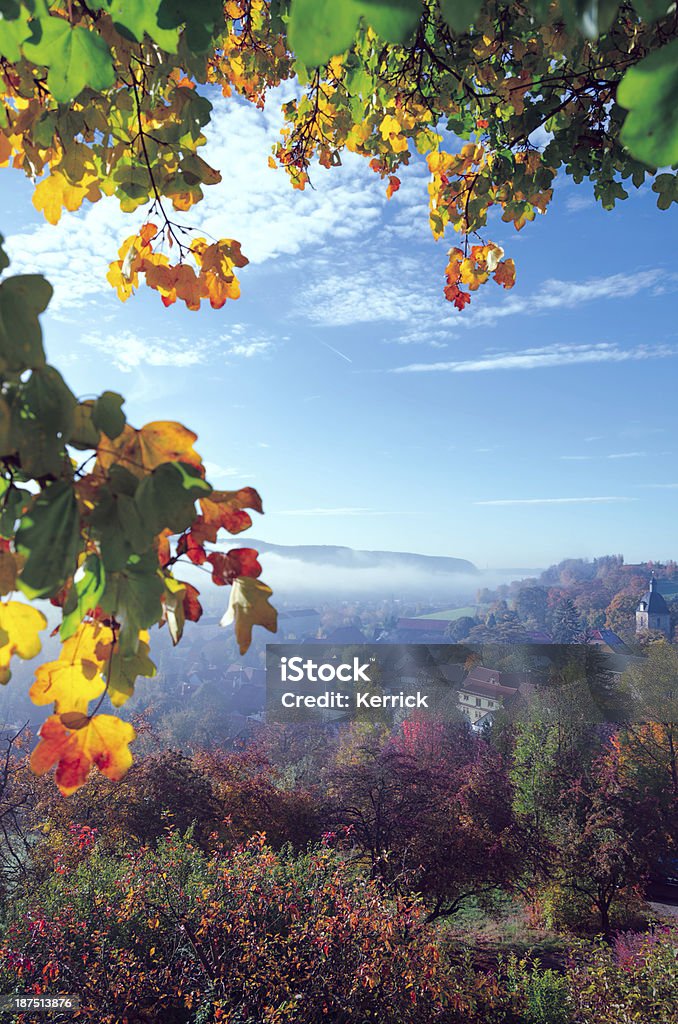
(653, 612)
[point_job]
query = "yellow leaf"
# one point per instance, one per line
(74, 679)
(104, 741)
(140, 451)
(55, 193)
(249, 607)
(21, 624)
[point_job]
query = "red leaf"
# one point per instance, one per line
(238, 562)
(192, 606)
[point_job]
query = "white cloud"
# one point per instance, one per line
(216, 472)
(253, 203)
(554, 501)
(574, 204)
(557, 294)
(627, 455)
(249, 349)
(543, 358)
(384, 288)
(391, 288)
(614, 455)
(128, 351)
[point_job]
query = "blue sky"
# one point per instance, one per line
(536, 425)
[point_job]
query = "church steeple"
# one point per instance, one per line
(653, 611)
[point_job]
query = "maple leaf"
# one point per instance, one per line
(225, 509)
(141, 451)
(249, 606)
(75, 678)
(238, 562)
(505, 274)
(54, 194)
(188, 545)
(192, 606)
(393, 185)
(122, 672)
(460, 299)
(175, 613)
(102, 740)
(19, 628)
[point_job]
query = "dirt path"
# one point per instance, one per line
(665, 910)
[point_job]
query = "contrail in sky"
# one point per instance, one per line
(336, 351)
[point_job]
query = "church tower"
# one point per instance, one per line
(653, 611)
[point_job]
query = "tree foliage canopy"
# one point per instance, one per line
(111, 98)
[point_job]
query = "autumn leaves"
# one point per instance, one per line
(211, 277)
(95, 516)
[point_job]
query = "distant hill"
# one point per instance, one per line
(349, 558)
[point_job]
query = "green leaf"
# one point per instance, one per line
(649, 91)
(393, 20)
(590, 17)
(7, 445)
(75, 56)
(13, 500)
(117, 522)
(22, 299)
(107, 414)
(4, 258)
(49, 539)
(133, 18)
(666, 187)
(134, 596)
(321, 29)
(88, 586)
(122, 672)
(43, 421)
(460, 14)
(202, 19)
(14, 30)
(166, 497)
(83, 433)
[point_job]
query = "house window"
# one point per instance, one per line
(478, 702)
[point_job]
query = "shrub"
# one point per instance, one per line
(542, 995)
(248, 935)
(635, 981)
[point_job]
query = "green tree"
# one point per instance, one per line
(565, 623)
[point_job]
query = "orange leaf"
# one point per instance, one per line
(104, 741)
(225, 509)
(505, 274)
